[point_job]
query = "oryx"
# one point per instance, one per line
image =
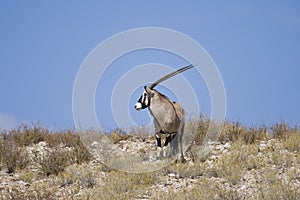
(169, 116)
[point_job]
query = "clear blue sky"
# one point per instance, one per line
(255, 44)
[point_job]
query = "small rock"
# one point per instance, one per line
(95, 144)
(220, 147)
(212, 143)
(243, 187)
(78, 195)
(225, 151)
(227, 145)
(42, 144)
(262, 146)
(214, 157)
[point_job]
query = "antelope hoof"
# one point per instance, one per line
(180, 160)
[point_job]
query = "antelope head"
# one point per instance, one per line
(144, 100)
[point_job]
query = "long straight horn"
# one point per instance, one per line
(170, 75)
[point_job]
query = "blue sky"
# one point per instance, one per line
(255, 45)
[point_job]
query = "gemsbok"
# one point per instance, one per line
(169, 117)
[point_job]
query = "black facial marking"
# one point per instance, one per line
(142, 100)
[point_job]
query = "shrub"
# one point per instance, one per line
(25, 135)
(83, 174)
(116, 137)
(291, 142)
(273, 187)
(56, 161)
(234, 165)
(235, 131)
(255, 134)
(283, 130)
(11, 156)
(202, 128)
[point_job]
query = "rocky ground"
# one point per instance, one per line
(266, 169)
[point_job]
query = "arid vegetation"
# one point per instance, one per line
(243, 163)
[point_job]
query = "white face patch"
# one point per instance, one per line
(138, 106)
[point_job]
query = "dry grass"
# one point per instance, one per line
(66, 149)
(120, 185)
(270, 155)
(234, 131)
(116, 137)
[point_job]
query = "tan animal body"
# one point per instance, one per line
(169, 116)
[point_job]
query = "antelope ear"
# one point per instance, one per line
(149, 91)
